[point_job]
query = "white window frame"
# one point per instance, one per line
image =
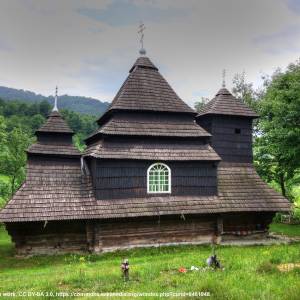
(169, 179)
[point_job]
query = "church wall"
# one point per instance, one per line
(239, 226)
(38, 159)
(231, 137)
(32, 238)
(54, 138)
(142, 232)
(115, 179)
(48, 238)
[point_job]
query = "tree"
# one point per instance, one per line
(198, 105)
(36, 122)
(13, 156)
(277, 146)
(245, 92)
(45, 108)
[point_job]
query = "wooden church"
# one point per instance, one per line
(154, 173)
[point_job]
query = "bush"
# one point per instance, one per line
(277, 218)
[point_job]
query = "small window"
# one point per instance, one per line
(158, 179)
(237, 130)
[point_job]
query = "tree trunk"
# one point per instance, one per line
(282, 184)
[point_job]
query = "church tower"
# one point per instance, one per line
(229, 121)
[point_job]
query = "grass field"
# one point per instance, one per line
(289, 230)
(250, 272)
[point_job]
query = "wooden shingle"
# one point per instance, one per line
(225, 103)
(145, 89)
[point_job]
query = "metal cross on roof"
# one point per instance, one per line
(223, 76)
(142, 28)
(55, 101)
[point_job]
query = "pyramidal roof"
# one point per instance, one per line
(56, 124)
(145, 89)
(224, 103)
(54, 127)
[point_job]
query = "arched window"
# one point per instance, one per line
(159, 179)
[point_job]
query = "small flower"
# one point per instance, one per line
(182, 270)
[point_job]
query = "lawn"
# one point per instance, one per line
(285, 229)
(250, 272)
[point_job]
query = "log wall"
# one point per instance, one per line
(101, 236)
(48, 238)
(243, 226)
(125, 179)
(155, 232)
(231, 137)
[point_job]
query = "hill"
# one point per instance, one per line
(78, 104)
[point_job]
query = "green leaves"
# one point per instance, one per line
(13, 156)
(277, 148)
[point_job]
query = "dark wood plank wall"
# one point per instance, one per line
(108, 235)
(119, 179)
(114, 235)
(54, 138)
(246, 221)
(231, 146)
(48, 238)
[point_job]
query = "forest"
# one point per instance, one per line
(83, 105)
(276, 133)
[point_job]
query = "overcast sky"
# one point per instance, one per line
(88, 47)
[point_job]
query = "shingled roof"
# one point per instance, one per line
(225, 103)
(54, 149)
(144, 150)
(150, 125)
(52, 190)
(241, 188)
(61, 192)
(145, 89)
(55, 123)
(54, 138)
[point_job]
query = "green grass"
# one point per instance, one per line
(285, 229)
(250, 272)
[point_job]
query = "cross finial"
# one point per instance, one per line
(142, 28)
(55, 101)
(223, 78)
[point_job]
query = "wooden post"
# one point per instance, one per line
(98, 238)
(90, 235)
(220, 225)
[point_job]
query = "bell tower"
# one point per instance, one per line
(229, 121)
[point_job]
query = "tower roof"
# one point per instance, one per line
(224, 103)
(55, 124)
(54, 138)
(145, 89)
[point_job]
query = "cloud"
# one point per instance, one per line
(4, 46)
(123, 13)
(294, 5)
(286, 40)
(88, 47)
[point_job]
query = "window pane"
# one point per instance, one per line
(158, 179)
